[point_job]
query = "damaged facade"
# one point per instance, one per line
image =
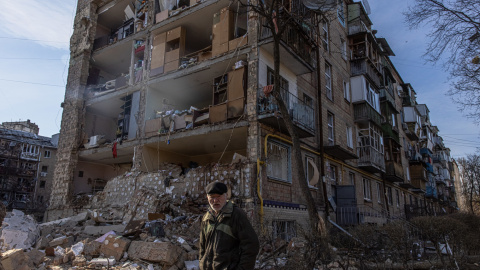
(164, 97)
(27, 163)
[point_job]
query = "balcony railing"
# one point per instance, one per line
(368, 156)
(390, 132)
(386, 94)
(362, 67)
(302, 114)
(365, 112)
(294, 38)
(27, 155)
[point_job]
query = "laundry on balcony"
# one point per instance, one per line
(267, 90)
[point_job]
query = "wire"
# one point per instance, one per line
(8, 58)
(46, 84)
(34, 40)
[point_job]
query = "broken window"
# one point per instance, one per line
(346, 91)
(283, 85)
(42, 184)
(309, 169)
(350, 136)
(389, 196)
(332, 173)
(278, 163)
(379, 193)
(351, 176)
(325, 34)
(44, 169)
(284, 229)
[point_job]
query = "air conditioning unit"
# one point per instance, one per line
(43, 174)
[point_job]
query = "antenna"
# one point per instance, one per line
(367, 7)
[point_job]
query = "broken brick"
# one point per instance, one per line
(92, 248)
(162, 252)
(114, 246)
(15, 259)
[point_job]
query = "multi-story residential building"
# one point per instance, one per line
(27, 162)
(188, 83)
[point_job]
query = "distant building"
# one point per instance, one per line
(27, 162)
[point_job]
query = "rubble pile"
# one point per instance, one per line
(139, 221)
(86, 241)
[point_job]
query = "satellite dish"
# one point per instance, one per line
(367, 6)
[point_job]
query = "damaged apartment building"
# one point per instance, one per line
(27, 163)
(164, 97)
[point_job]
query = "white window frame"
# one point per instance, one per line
(270, 170)
(325, 35)
(328, 81)
(350, 137)
(307, 166)
(351, 176)
(367, 189)
(331, 129)
(332, 173)
(47, 154)
(341, 12)
(346, 91)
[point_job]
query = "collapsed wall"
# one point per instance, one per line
(134, 194)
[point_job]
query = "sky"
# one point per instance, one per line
(34, 55)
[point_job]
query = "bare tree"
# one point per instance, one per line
(278, 16)
(470, 172)
(454, 34)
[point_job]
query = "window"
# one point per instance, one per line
(44, 169)
(340, 12)
(308, 100)
(408, 173)
(331, 135)
(42, 184)
(346, 91)
(47, 154)
(328, 81)
(325, 35)
(40, 199)
(332, 173)
(350, 137)
(309, 169)
(284, 229)
(343, 48)
(397, 194)
(351, 176)
(80, 173)
(389, 196)
(283, 85)
(278, 163)
(379, 193)
(367, 192)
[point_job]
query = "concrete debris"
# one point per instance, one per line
(18, 231)
(133, 224)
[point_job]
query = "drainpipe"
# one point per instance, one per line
(320, 139)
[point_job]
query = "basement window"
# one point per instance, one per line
(284, 229)
(278, 162)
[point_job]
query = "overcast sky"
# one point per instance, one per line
(34, 54)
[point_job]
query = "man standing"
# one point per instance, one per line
(227, 239)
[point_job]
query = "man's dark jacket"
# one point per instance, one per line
(227, 241)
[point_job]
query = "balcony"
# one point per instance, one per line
(370, 159)
(295, 47)
(390, 132)
(393, 171)
(29, 156)
(431, 192)
(418, 172)
(363, 66)
(364, 112)
(412, 130)
(386, 94)
(357, 27)
(303, 115)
